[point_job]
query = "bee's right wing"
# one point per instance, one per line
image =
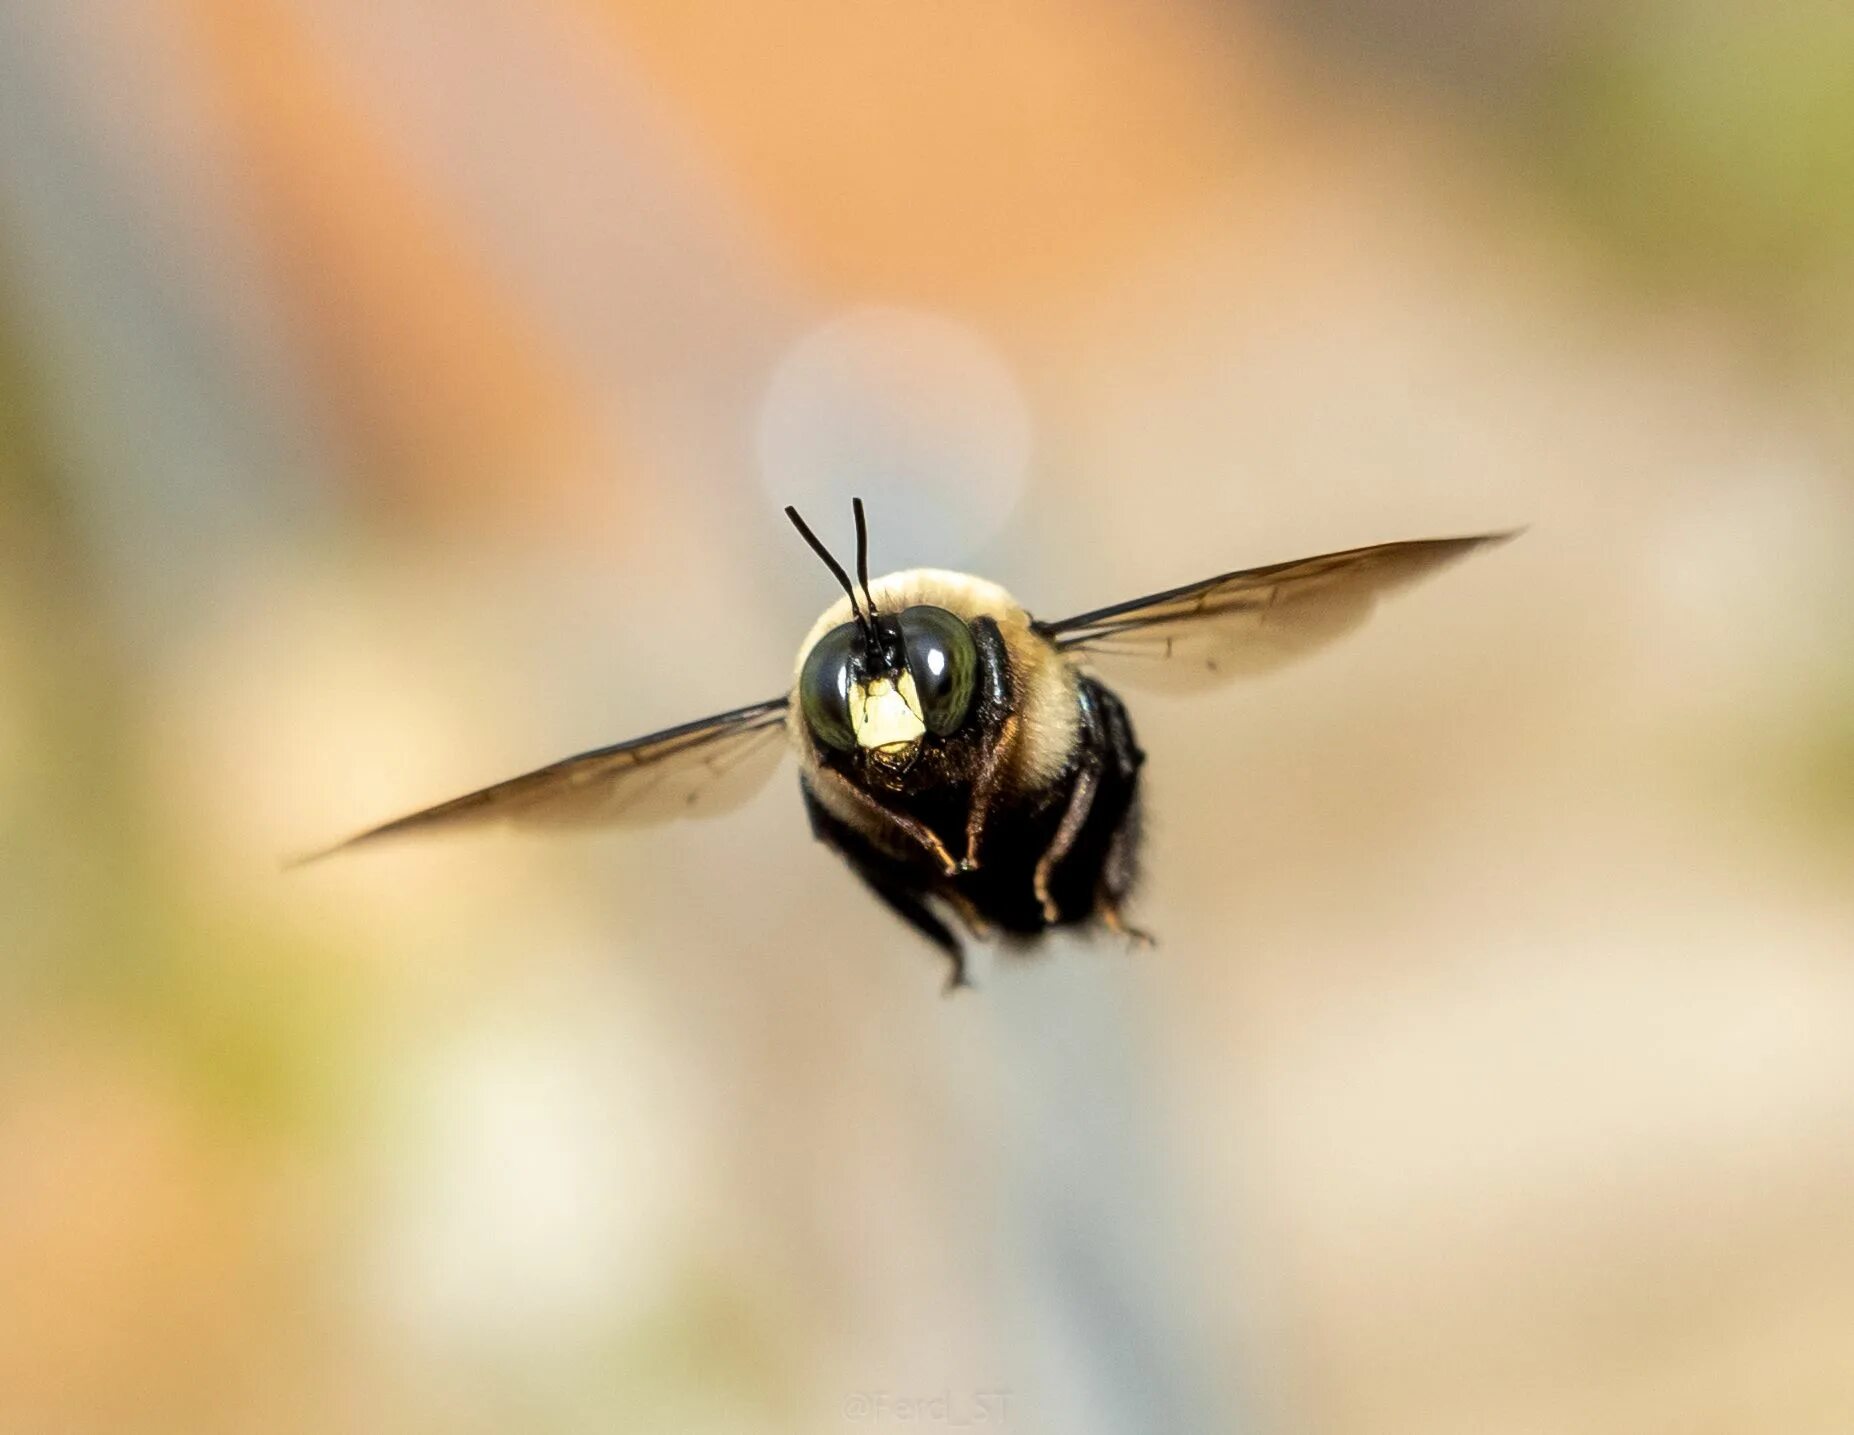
(1250, 621)
(696, 770)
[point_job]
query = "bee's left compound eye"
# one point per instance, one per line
(943, 660)
(824, 688)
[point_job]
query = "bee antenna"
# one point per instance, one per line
(836, 568)
(862, 555)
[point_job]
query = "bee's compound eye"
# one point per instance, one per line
(943, 660)
(824, 688)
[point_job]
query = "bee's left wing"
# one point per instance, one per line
(1250, 621)
(695, 770)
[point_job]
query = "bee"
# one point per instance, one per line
(964, 758)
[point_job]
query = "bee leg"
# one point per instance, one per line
(905, 902)
(891, 880)
(1115, 922)
(975, 924)
(1100, 740)
(1116, 880)
(880, 816)
(997, 758)
(997, 703)
(1081, 802)
(908, 905)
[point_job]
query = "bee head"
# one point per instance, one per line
(883, 684)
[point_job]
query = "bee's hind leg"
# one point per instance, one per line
(1115, 921)
(1115, 882)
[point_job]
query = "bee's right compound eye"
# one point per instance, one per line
(824, 688)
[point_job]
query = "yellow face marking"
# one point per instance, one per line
(886, 716)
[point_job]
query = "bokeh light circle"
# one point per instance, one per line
(919, 414)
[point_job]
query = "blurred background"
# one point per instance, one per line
(395, 396)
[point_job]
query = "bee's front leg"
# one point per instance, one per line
(876, 816)
(997, 711)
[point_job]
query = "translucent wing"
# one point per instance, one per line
(696, 770)
(1249, 622)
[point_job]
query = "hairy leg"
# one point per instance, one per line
(1085, 784)
(912, 909)
(997, 699)
(890, 880)
(985, 791)
(916, 832)
(1081, 802)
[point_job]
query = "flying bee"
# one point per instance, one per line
(964, 758)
